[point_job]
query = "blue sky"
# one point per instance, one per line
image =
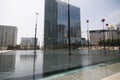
(21, 13)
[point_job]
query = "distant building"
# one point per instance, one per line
(28, 43)
(8, 36)
(98, 35)
(118, 26)
(83, 41)
(56, 23)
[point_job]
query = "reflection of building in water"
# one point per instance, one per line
(26, 57)
(7, 63)
(58, 60)
(56, 23)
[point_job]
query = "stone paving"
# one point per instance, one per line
(113, 77)
(96, 73)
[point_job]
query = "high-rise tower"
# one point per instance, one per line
(56, 24)
(8, 36)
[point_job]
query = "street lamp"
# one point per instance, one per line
(107, 25)
(118, 32)
(35, 47)
(87, 21)
(107, 34)
(35, 40)
(100, 39)
(69, 42)
(103, 20)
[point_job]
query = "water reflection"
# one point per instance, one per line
(26, 57)
(23, 65)
(56, 61)
(7, 62)
(30, 58)
(34, 64)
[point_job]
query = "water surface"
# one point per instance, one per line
(24, 65)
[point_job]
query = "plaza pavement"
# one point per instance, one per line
(113, 77)
(101, 72)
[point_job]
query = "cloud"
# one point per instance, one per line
(116, 13)
(114, 17)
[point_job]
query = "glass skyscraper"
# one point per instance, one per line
(56, 24)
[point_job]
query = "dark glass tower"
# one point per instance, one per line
(56, 24)
(50, 29)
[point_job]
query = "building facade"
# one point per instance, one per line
(118, 26)
(98, 35)
(56, 23)
(8, 36)
(83, 42)
(28, 43)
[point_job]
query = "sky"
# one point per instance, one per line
(21, 13)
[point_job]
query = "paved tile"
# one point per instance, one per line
(95, 74)
(113, 77)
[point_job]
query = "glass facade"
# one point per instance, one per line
(50, 29)
(56, 24)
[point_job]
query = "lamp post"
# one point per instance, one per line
(35, 46)
(103, 20)
(69, 41)
(100, 39)
(118, 32)
(87, 21)
(35, 40)
(107, 34)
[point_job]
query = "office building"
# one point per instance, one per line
(28, 43)
(56, 23)
(8, 36)
(98, 35)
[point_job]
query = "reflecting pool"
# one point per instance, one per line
(21, 65)
(24, 65)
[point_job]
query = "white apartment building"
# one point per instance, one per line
(97, 35)
(8, 36)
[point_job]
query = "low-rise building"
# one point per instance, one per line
(98, 35)
(28, 43)
(84, 42)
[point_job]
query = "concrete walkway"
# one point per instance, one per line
(113, 77)
(101, 72)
